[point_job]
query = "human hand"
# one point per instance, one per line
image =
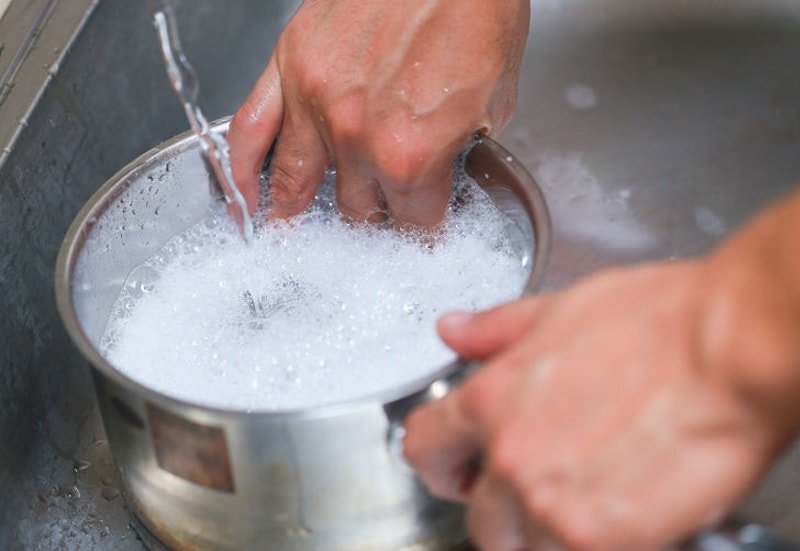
(626, 413)
(389, 91)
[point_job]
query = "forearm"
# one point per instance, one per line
(752, 330)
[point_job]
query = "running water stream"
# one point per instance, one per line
(185, 83)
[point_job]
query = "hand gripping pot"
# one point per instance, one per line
(330, 477)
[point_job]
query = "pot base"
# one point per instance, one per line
(153, 543)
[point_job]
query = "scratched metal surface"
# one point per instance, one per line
(655, 128)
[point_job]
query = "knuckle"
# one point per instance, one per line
(481, 397)
(401, 156)
(310, 73)
(314, 80)
(286, 180)
(346, 118)
(287, 187)
(292, 34)
(471, 399)
(504, 456)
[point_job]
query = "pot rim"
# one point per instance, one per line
(78, 232)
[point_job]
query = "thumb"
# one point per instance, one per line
(253, 129)
(479, 336)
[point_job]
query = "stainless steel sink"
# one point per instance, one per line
(654, 127)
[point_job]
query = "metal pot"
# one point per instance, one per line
(197, 477)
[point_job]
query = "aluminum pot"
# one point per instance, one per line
(196, 477)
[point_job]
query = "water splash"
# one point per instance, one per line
(216, 150)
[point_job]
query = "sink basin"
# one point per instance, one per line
(654, 128)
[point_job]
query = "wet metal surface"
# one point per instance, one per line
(655, 128)
(109, 102)
(193, 452)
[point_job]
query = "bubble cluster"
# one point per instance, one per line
(313, 312)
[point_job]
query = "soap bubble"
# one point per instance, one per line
(313, 312)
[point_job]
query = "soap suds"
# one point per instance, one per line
(313, 312)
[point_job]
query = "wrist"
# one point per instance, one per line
(751, 323)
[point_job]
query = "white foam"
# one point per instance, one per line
(583, 206)
(312, 313)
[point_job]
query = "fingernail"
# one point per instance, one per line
(455, 320)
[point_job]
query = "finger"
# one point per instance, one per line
(252, 131)
(297, 168)
(494, 518)
(442, 445)
(445, 439)
(478, 336)
(420, 205)
(358, 195)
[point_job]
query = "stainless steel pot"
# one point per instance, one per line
(202, 478)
